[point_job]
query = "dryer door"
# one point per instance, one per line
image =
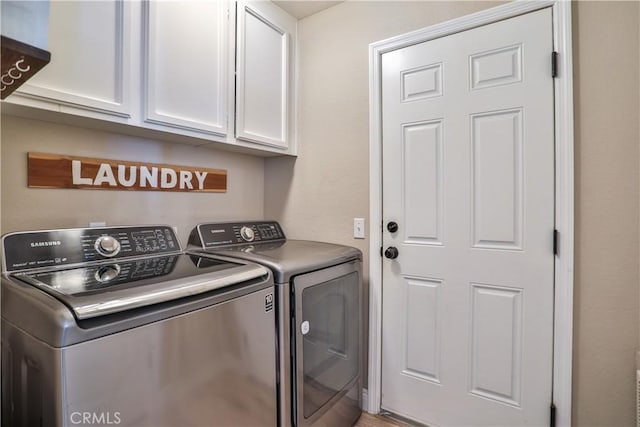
(327, 345)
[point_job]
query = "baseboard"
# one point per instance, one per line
(365, 400)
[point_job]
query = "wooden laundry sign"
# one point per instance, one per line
(58, 171)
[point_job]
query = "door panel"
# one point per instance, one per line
(496, 67)
(468, 174)
(422, 185)
(496, 343)
(422, 329)
(496, 144)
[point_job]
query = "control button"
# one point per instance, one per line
(247, 234)
(107, 272)
(304, 327)
(107, 246)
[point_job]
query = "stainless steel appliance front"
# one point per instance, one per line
(318, 288)
(205, 356)
(327, 343)
(213, 366)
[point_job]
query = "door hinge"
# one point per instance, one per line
(554, 64)
(556, 237)
(552, 415)
(380, 251)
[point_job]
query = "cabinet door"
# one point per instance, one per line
(186, 64)
(89, 43)
(264, 74)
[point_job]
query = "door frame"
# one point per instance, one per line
(564, 189)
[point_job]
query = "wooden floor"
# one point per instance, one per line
(368, 420)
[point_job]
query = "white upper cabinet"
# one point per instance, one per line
(186, 58)
(90, 59)
(265, 37)
(190, 71)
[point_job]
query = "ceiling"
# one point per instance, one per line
(303, 8)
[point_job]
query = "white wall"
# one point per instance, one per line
(317, 196)
(26, 208)
(607, 105)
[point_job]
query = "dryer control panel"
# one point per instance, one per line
(212, 235)
(50, 248)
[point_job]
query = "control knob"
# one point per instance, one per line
(107, 246)
(247, 234)
(107, 272)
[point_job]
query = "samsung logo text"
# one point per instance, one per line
(50, 243)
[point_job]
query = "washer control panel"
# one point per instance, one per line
(236, 233)
(36, 249)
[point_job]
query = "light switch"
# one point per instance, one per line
(358, 228)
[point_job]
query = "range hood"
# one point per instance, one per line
(24, 42)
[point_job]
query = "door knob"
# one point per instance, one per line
(392, 227)
(391, 252)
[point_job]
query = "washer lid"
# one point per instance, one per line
(290, 258)
(104, 288)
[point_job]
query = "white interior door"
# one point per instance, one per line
(468, 176)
